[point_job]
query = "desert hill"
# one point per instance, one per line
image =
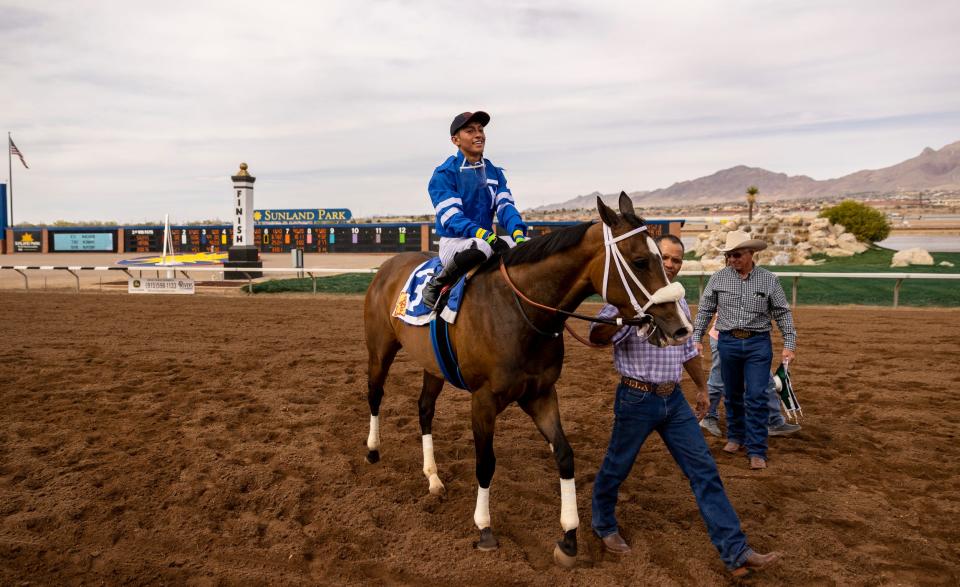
(930, 170)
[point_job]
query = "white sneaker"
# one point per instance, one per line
(711, 425)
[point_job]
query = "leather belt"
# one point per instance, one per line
(742, 334)
(661, 389)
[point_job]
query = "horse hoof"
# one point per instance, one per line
(563, 559)
(373, 457)
(438, 489)
(488, 541)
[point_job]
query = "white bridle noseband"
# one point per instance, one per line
(672, 292)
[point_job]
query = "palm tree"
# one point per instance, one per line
(752, 192)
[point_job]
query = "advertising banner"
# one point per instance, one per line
(147, 285)
(27, 241)
(302, 216)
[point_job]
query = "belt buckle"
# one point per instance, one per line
(661, 389)
(741, 334)
(664, 389)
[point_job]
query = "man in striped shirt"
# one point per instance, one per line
(746, 298)
(649, 398)
(467, 191)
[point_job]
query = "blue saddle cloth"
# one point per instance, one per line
(410, 307)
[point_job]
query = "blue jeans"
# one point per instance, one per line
(745, 367)
(636, 415)
(715, 389)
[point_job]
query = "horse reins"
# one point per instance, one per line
(519, 295)
(669, 292)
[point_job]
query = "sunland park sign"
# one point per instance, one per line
(302, 216)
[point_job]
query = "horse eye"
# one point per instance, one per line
(641, 262)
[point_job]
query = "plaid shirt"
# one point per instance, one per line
(636, 358)
(745, 304)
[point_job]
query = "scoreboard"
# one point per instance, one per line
(330, 238)
(341, 238)
(186, 239)
(83, 241)
(200, 239)
(143, 240)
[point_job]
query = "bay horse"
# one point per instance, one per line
(508, 352)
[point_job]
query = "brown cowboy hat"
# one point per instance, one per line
(737, 239)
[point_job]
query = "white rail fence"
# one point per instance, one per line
(314, 272)
(171, 271)
(796, 275)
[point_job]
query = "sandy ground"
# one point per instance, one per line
(203, 440)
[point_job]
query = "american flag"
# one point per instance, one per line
(15, 151)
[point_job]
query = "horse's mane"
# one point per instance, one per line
(537, 249)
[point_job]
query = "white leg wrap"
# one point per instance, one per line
(373, 440)
(430, 465)
(568, 505)
(481, 515)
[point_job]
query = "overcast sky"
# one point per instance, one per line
(126, 110)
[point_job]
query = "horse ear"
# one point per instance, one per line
(626, 204)
(607, 214)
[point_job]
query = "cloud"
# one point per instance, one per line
(130, 110)
(16, 18)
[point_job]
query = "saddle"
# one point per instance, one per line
(409, 308)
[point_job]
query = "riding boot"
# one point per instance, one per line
(457, 266)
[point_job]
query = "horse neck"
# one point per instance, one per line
(562, 280)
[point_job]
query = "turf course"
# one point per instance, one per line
(868, 292)
(823, 291)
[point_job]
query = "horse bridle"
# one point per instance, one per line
(665, 294)
(671, 292)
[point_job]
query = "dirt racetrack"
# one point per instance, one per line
(210, 440)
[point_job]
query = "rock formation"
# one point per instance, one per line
(908, 257)
(791, 240)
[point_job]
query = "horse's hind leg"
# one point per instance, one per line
(432, 386)
(380, 356)
(545, 412)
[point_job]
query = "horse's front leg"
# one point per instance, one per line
(432, 386)
(545, 412)
(484, 416)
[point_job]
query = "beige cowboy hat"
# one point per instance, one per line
(737, 239)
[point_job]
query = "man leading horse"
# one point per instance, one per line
(649, 398)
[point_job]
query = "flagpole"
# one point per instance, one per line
(10, 174)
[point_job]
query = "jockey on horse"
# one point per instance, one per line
(466, 190)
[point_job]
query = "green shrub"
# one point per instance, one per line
(866, 223)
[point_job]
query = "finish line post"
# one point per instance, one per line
(243, 254)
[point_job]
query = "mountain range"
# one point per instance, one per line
(930, 170)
